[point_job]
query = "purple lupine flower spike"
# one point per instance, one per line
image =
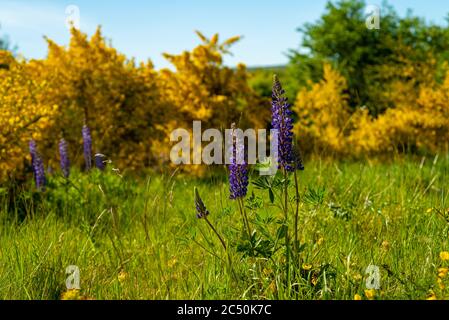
(282, 121)
(87, 144)
(100, 161)
(201, 210)
(38, 166)
(64, 158)
(238, 170)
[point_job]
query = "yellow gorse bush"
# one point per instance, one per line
(23, 114)
(202, 88)
(94, 84)
(323, 114)
(422, 125)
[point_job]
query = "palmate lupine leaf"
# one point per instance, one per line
(268, 183)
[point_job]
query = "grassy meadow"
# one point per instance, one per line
(94, 143)
(139, 238)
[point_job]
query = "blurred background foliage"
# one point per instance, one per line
(355, 93)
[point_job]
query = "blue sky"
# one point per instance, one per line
(145, 29)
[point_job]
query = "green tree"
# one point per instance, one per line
(341, 38)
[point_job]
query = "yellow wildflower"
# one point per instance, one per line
(122, 276)
(357, 297)
(172, 262)
(441, 284)
(306, 266)
(370, 293)
(358, 277)
(267, 272)
(272, 286)
(314, 280)
(444, 255)
(442, 272)
(72, 294)
(431, 296)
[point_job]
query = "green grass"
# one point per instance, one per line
(351, 215)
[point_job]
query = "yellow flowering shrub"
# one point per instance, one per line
(323, 114)
(362, 140)
(422, 125)
(396, 83)
(433, 124)
(94, 84)
(23, 115)
(202, 88)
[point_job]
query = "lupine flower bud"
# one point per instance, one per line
(201, 210)
(282, 121)
(38, 166)
(100, 161)
(238, 172)
(64, 158)
(87, 144)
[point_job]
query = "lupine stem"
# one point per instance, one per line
(287, 241)
(296, 212)
(216, 232)
(244, 217)
(231, 267)
(202, 213)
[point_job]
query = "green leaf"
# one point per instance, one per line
(282, 231)
(271, 194)
(262, 183)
